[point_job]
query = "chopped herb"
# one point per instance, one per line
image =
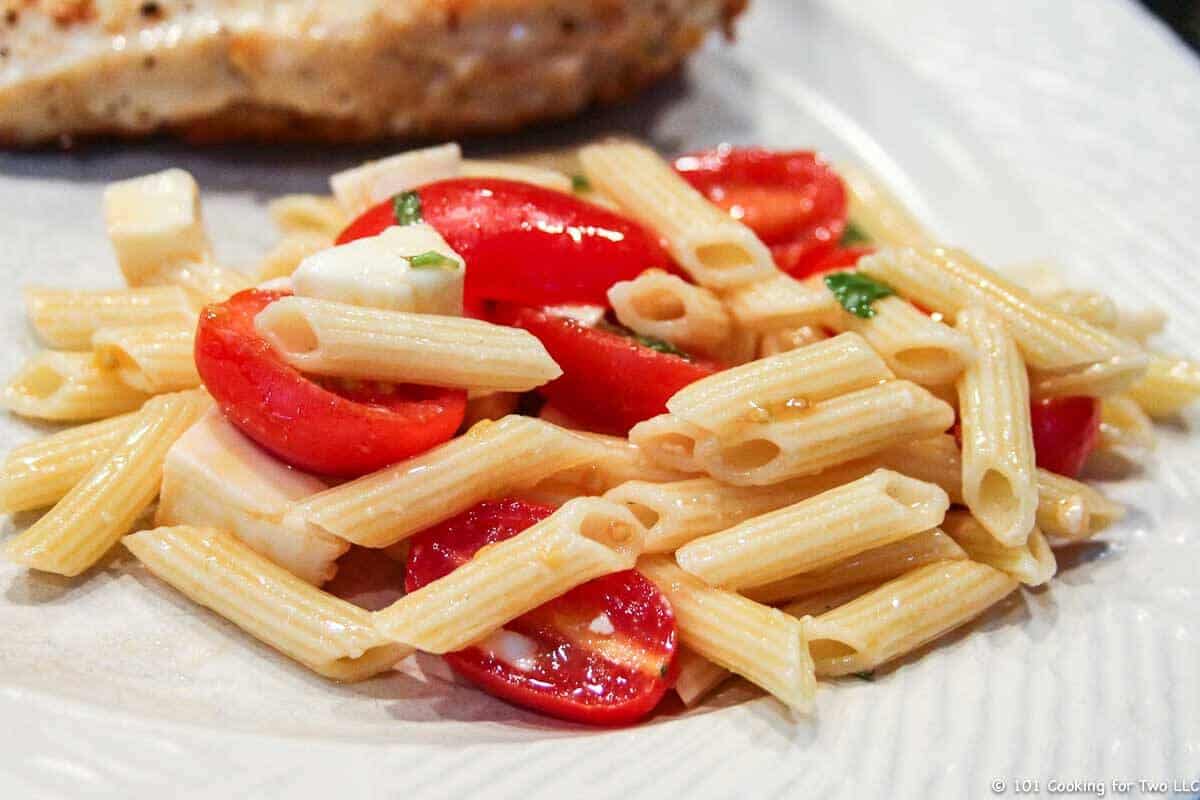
(856, 292)
(865, 676)
(407, 208)
(580, 183)
(662, 670)
(432, 259)
(854, 235)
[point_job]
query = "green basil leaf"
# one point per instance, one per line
(407, 208)
(856, 292)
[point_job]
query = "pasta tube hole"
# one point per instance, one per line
(998, 499)
(645, 514)
(288, 329)
(659, 305)
(908, 493)
(678, 445)
(612, 533)
(750, 454)
(922, 360)
(723, 257)
(41, 381)
(830, 649)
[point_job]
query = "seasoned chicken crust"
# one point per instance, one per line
(328, 70)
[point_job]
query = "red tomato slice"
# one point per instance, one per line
(527, 244)
(602, 654)
(833, 261)
(609, 382)
(1065, 432)
(792, 200)
(328, 427)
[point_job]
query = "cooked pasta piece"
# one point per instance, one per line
(515, 171)
(150, 358)
(669, 442)
(998, 477)
(41, 472)
(1070, 510)
(327, 338)
(871, 512)
(1032, 563)
(613, 461)
(204, 281)
(1140, 324)
(877, 212)
(67, 319)
(828, 599)
(697, 677)
(950, 281)
(586, 538)
(779, 387)
(214, 569)
(283, 259)
(69, 387)
(829, 433)
(490, 460)
(1092, 307)
(1124, 425)
(776, 342)
(763, 645)
(903, 614)
(100, 509)
(154, 223)
(361, 187)
(490, 405)
(868, 567)
(934, 460)
(780, 302)
(1102, 379)
(667, 307)
(312, 214)
(739, 348)
(1169, 385)
(716, 250)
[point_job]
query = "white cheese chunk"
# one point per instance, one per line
(512, 648)
(360, 188)
(216, 477)
(377, 272)
(154, 222)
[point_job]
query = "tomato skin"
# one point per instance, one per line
(1065, 432)
(528, 244)
(342, 432)
(609, 382)
(834, 261)
(793, 200)
(565, 669)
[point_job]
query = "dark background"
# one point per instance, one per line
(1182, 15)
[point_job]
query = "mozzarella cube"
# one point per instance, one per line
(216, 477)
(154, 222)
(377, 272)
(360, 188)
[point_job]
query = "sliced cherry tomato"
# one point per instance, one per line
(833, 261)
(602, 654)
(792, 200)
(1065, 432)
(528, 244)
(609, 382)
(328, 427)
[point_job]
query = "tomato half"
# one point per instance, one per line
(793, 200)
(602, 654)
(528, 244)
(833, 261)
(609, 382)
(327, 427)
(1065, 432)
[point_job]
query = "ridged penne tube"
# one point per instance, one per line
(490, 405)
(776, 342)
(868, 567)
(871, 512)
(514, 171)
(669, 442)
(283, 259)
(903, 614)
(1092, 307)
(763, 645)
(490, 460)
(613, 461)
(826, 600)
(40, 473)
(716, 250)
(69, 387)
(150, 358)
(697, 676)
(1072, 511)
(1140, 324)
(66, 319)
(326, 634)
(100, 509)
(780, 302)
(876, 211)
(915, 346)
(999, 480)
(780, 386)
(308, 213)
(832, 432)
(1124, 425)
(327, 338)
(1032, 563)
(1104, 378)
(933, 460)
(204, 281)
(1169, 385)
(667, 307)
(584, 539)
(950, 281)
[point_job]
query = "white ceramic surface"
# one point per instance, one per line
(1065, 128)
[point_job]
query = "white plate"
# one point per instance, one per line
(1019, 134)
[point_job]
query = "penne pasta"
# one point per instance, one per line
(763, 645)
(934, 460)
(717, 251)
(1032, 563)
(1073, 511)
(697, 676)
(776, 342)
(41, 472)
(283, 259)
(514, 171)
(310, 214)
(1124, 425)
(669, 442)
(203, 281)
(998, 470)
(586, 538)
(491, 460)
(871, 512)
(327, 338)
(150, 358)
(903, 614)
(1169, 385)
(1092, 307)
(614, 461)
(101, 508)
(666, 307)
(827, 600)
(876, 211)
(1102, 379)
(329, 636)
(490, 405)
(780, 302)
(67, 319)
(69, 387)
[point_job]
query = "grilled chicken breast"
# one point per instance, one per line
(328, 69)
